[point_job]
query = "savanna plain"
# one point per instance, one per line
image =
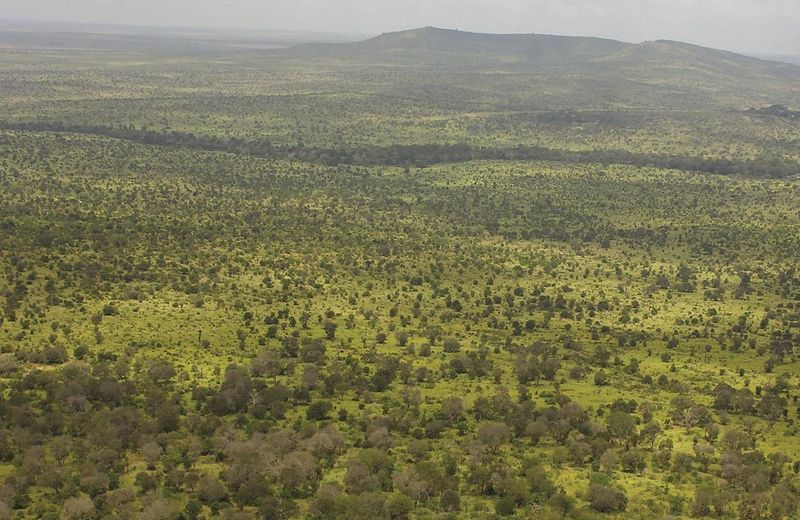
(430, 275)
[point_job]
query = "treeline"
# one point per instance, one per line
(776, 111)
(420, 155)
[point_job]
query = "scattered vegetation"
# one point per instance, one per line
(439, 295)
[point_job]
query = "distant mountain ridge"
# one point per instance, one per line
(576, 71)
(536, 48)
(540, 48)
(515, 71)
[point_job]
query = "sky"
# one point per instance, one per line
(757, 26)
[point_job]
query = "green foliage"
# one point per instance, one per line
(233, 286)
(606, 499)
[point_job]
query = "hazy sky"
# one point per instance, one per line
(769, 26)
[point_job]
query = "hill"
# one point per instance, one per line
(605, 72)
(528, 48)
(673, 55)
(431, 275)
(429, 43)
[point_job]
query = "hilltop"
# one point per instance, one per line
(651, 73)
(531, 48)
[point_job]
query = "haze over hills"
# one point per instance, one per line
(73, 35)
(430, 43)
(532, 48)
(653, 73)
(422, 46)
(540, 69)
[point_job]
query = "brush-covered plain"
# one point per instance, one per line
(415, 277)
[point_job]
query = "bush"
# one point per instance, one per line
(606, 499)
(318, 410)
(451, 345)
(505, 506)
(398, 507)
(451, 500)
(193, 509)
(8, 364)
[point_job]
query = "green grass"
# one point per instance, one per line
(125, 254)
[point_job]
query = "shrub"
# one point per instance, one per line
(318, 410)
(505, 506)
(606, 499)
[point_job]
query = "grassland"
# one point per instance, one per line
(197, 331)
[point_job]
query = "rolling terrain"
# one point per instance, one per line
(430, 274)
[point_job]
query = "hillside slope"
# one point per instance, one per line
(525, 48)
(652, 73)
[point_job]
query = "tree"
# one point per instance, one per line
(450, 345)
(606, 499)
(252, 491)
(754, 506)
(145, 482)
(312, 351)
(325, 502)
(622, 427)
(703, 500)
(79, 507)
(493, 434)
(433, 333)
(738, 440)
(539, 483)
(151, 452)
(193, 509)
(402, 338)
(453, 409)
(649, 433)
(359, 478)
(8, 364)
(398, 507)
(210, 491)
(703, 454)
(330, 329)
(609, 460)
(267, 363)
(450, 501)
(298, 473)
(633, 461)
(505, 506)
(319, 410)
